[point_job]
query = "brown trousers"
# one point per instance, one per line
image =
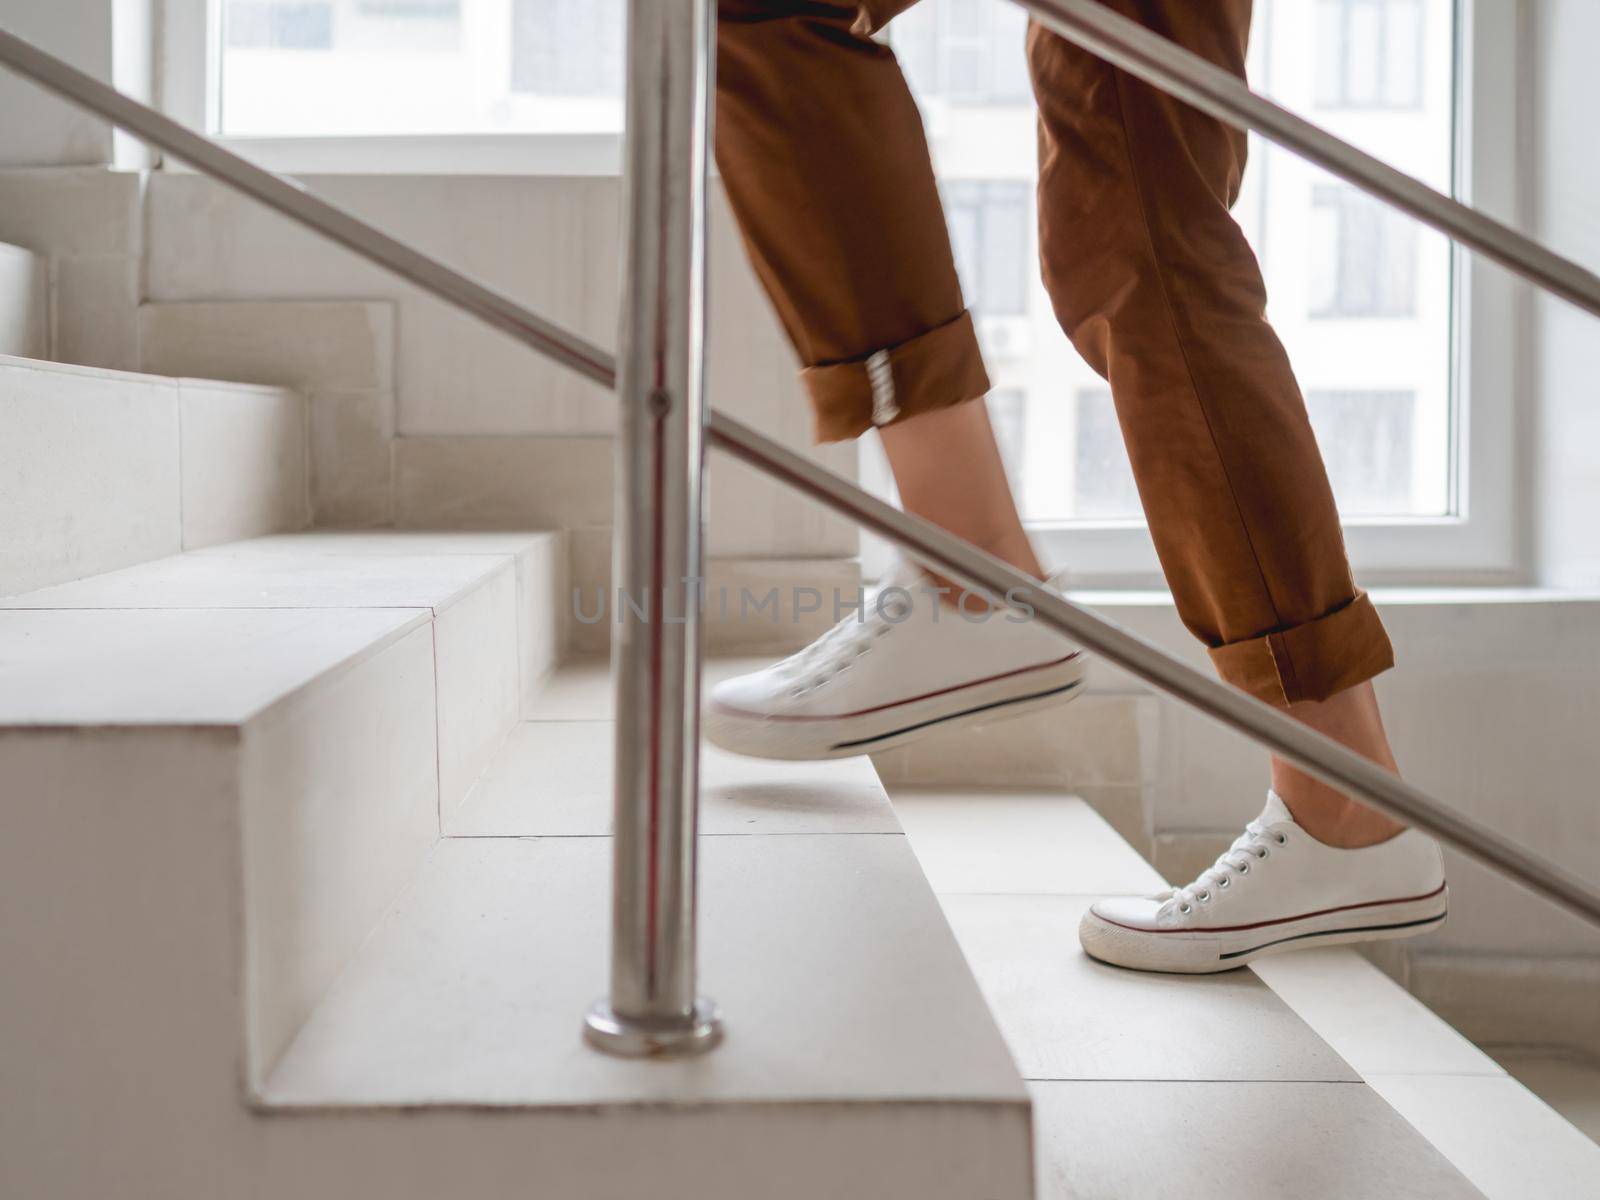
(824, 158)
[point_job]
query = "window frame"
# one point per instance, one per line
(1482, 542)
(1479, 542)
(189, 89)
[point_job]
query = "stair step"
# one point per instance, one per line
(24, 303)
(106, 468)
(192, 669)
(853, 1021)
(824, 950)
(1310, 1073)
(553, 778)
(223, 767)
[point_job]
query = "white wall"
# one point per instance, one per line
(111, 39)
(550, 242)
(1566, 342)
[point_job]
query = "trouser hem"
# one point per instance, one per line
(1311, 661)
(937, 369)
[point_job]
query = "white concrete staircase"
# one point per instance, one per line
(24, 303)
(1309, 1074)
(304, 846)
(303, 862)
(100, 469)
(242, 960)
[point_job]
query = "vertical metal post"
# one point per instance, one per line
(653, 1008)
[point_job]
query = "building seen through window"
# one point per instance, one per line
(989, 231)
(274, 24)
(1370, 53)
(1366, 440)
(1363, 256)
(1360, 295)
(964, 51)
(1103, 484)
(567, 47)
(310, 68)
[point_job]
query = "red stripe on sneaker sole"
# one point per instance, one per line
(863, 712)
(1321, 912)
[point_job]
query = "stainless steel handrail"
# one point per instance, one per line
(1158, 61)
(653, 1008)
(1318, 755)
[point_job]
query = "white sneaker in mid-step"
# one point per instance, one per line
(1275, 889)
(904, 666)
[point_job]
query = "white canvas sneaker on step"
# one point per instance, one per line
(1275, 889)
(907, 665)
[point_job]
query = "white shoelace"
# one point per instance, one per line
(835, 650)
(1233, 864)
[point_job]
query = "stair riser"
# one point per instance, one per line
(345, 785)
(476, 647)
(24, 303)
(756, 605)
(340, 796)
(106, 470)
(119, 869)
(774, 1152)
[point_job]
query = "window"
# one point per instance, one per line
(280, 25)
(989, 223)
(1366, 440)
(1366, 301)
(1369, 53)
(963, 51)
(354, 68)
(1363, 256)
(567, 48)
(1102, 480)
(1008, 413)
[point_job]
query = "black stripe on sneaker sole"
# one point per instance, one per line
(1333, 932)
(966, 712)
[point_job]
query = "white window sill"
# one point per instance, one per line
(1412, 597)
(556, 154)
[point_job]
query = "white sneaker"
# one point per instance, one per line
(907, 665)
(1276, 888)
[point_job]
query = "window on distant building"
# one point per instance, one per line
(1102, 479)
(280, 24)
(431, 10)
(421, 67)
(1008, 413)
(1363, 256)
(1366, 440)
(567, 47)
(989, 223)
(963, 51)
(1369, 53)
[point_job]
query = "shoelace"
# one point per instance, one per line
(1234, 863)
(839, 647)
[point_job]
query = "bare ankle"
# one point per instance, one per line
(1336, 820)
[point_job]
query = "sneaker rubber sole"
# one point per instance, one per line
(895, 724)
(1204, 951)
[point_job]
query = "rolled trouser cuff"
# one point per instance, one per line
(1310, 661)
(936, 369)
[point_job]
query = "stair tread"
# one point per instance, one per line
(309, 580)
(1277, 1034)
(839, 977)
(51, 367)
(553, 778)
(213, 637)
(383, 542)
(143, 667)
